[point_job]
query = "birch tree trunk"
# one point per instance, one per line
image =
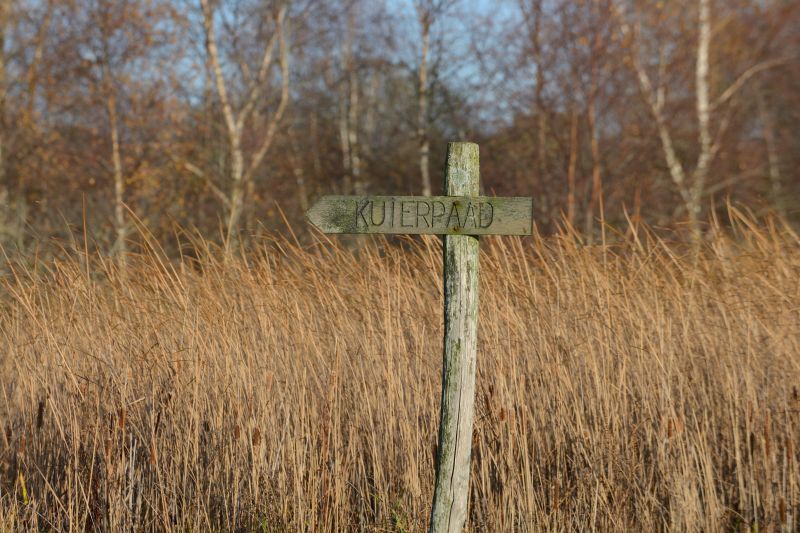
(352, 119)
(541, 113)
(120, 225)
(5, 189)
(596, 199)
(424, 15)
(370, 111)
(344, 142)
(541, 116)
(348, 109)
(697, 190)
(541, 129)
(691, 192)
(238, 188)
(571, 166)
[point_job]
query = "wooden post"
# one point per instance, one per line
(460, 216)
(449, 513)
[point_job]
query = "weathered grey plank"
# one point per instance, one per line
(449, 511)
(441, 215)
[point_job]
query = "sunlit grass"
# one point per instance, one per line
(631, 387)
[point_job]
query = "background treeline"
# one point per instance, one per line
(220, 115)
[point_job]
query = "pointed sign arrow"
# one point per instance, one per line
(432, 215)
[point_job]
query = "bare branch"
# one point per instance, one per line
(213, 52)
(744, 77)
(266, 62)
(284, 101)
(655, 100)
(200, 174)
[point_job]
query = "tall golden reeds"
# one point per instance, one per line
(628, 387)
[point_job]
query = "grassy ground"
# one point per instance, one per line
(627, 387)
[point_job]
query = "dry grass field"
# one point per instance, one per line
(631, 386)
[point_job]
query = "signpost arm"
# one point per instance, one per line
(449, 513)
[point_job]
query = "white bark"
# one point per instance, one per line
(424, 15)
(344, 141)
(571, 166)
(120, 224)
(4, 196)
(363, 154)
(241, 172)
(352, 119)
(346, 114)
(370, 111)
(7, 226)
(596, 200)
(692, 186)
(703, 118)
(655, 100)
(691, 193)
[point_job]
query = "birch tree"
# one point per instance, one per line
(112, 42)
(427, 11)
(597, 43)
(712, 114)
(348, 106)
(533, 15)
(244, 112)
(16, 119)
(5, 204)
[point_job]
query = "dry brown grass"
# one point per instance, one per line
(621, 388)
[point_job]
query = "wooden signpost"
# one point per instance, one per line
(439, 215)
(461, 216)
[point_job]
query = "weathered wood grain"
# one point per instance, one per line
(432, 215)
(449, 511)
(460, 216)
